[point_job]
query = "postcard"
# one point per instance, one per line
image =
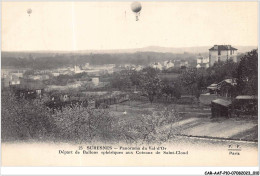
(129, 83)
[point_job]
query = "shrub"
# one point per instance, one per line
(24, 119)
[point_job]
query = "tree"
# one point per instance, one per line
(24, 119)
(84, 124)
(167, 89)
(170, 89)
(135, 78)
(247, 74)
(220, 71)
(150, 83)
(121, 80)
(193, 80)
(158, 126)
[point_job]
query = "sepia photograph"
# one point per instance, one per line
(135, 83)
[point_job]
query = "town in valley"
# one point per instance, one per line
(135, 96)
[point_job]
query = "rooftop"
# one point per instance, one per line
(232, 82)
(222, 102)
(222, 47)
(246, 97)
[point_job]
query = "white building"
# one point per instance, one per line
(38, 77)
(222, 53)
(7, 72)
(14, 80)
(34, 77)
(198, 66)
(202, 62)
(168, 64)
(18, 74)
(138, 68)
(95, 81)
(156, 65)
(55, 73)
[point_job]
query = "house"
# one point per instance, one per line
(213, 88)
(156, 65)
(220, 108)
(131, 67)
(38, 77)
(10, 80)
(17, 73)
(138, 68)
(86, 65)
(242, 105)
(127, 66)
(55, 74)
(222, 53)
(34, 77)
(15, 80)
(12, 71)
(198, 66)
(168, 64)
(77, 69)
(202, 62)
(180, 63)
(226, 88)
(95, 81)
(245, 105)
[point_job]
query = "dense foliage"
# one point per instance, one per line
(247, 74)
(147, 81)
(30, 120)
(24, 119)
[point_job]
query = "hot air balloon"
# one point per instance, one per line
(29, 11)
(136, 8)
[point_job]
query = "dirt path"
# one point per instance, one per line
(218, 128)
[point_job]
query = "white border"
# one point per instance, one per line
(123, 170)
(118, 170)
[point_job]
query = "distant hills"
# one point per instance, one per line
(158, 49)
(139, 56)
(180, 50)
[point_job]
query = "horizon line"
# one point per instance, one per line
(179, 47)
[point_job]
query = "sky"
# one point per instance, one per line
(66, 26)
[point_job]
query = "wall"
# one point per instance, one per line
(213, 57)
(225, 54)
